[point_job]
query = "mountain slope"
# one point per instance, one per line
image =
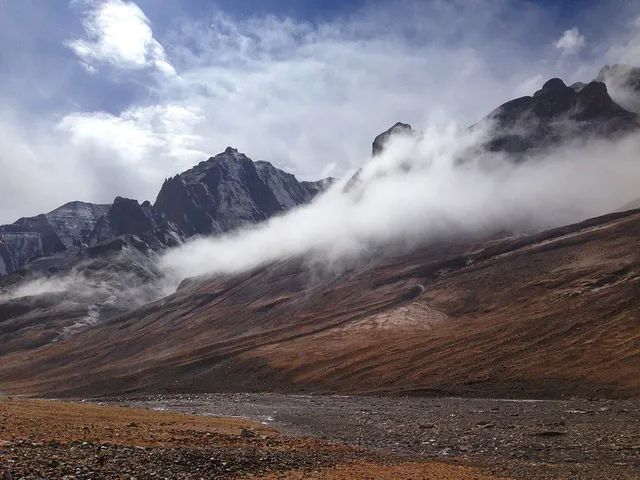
(457, 319)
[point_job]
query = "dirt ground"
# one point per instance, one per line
(54, 440)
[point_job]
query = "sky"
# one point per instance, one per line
(100, 98)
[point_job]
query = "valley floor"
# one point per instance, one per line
(269, 436)
(55, 440)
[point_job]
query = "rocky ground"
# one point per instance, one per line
(54, 440)
(576, 439)
(269, 436)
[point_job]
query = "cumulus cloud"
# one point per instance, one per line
(571, 42)
(419, 191)
(93, 156)
(286, 90)
(119, 33)
(135, 149)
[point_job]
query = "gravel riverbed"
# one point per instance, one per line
(516, 438)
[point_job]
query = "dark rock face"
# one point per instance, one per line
(377, 148)
(317, 187)
(64, 228)
(49, 239)
(228, 191)
(74, 221)
(223, 193)
(128, 217)
(285, 187)
(17, 248)
(380, 141)
(556, 113)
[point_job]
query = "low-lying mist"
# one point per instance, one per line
(80, 298)
(436, 185)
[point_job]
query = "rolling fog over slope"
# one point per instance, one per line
(430, 187)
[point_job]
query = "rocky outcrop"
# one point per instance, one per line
(18, 248)
(285, 187)
(317, 187)
(128, 217)
(381, 140)
(556, 113)
(377, 148)
(228, 191)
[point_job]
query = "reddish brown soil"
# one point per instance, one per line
(545, 316)
(374, 471)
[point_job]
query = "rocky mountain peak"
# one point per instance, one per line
(380, 141)
(127, 217)
(550, 86)
(227, 191)
(556, 113)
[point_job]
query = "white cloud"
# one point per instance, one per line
(133, 152)
(307, 96)
(571, 42)
(119, 33)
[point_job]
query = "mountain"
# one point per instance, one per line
(381, 140)
(228, 191)
(220, 194)
(128, 217)
(66, 227)
(377, 147)
(74, 221)
(82, 264)
(456, 318)
(57, 296)
(554, 114)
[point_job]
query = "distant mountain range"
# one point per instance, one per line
(220, 194)
(554, 114)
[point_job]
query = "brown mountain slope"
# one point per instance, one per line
(548, 315)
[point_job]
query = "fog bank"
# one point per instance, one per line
(436, 185)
